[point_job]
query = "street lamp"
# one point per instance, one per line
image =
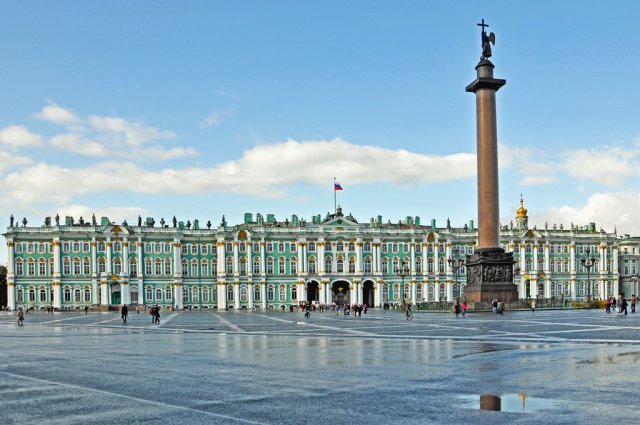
(588, 263)
(456, 264)
(403, 272)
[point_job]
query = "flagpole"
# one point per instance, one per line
(335, 208)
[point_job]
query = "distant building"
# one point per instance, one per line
(265, 263)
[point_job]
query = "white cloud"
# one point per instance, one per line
(215, 117)
(607, 210)
(9, 160)
(606, 165)
(159, 153)
(115, 214)
(74, 143)
(537, 180)
(57, 114)
(134, 133)
(262, 171)
(18, 136)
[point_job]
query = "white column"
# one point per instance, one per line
(300, 256)
(572, 251)
(11, 294)
(139, 264)
(436, 263)
(249, 260)
(124, 293)
(263, 260)
(547, 258)
(236, 259)
(359, 256)
(523, 262)
(94, 272)
(547, 287)
(222, 295)
(57, 299)
(109, 256)
(449, 289)
(56, 258)
(177, 294)
(104, 291)
(236, 294)
(413, 291)
(263, 288)
(221, 265)
(424, 260)
(535, 259)
(125, 258)
(413, 257)
(378, 293)
(250, 293)
(302, 293)
(574, 289)
(11, 288)
(447, 254)
(141, 294)
(320, 263)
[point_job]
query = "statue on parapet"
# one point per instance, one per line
(93, 220)
(11, 221)
(57, 219)
(175, 222)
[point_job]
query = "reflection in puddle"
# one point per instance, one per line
(513, 403)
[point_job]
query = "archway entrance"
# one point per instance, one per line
(313, 290)
(368, 297)
(116, 296)
(340, 290)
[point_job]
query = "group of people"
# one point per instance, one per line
(620, 304)
(497, 306)
(154, 311)
(460, 308)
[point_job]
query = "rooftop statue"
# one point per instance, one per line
(487, 41)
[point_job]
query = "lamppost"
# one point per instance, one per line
(588, 263)
(403, 272)
(456, 264)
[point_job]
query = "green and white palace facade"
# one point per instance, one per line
(265, 263)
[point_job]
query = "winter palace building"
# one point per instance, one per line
(265, 263)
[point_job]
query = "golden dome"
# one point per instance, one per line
(522, 211)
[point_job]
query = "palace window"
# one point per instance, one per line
(269, 266)
(394, 248)
(282, 294)
(327, 247)
(312, 265)
(328, 265)
(229, 269)
(419, 292)
(242, 247)
(76, 266)
(293, 265)
(340, 266)
(339, 247)
(418, 265)
(147, 248)
(385, 292)
(243, 266)
(243, 294)
(147, 267)
(419, 247)
(396, 263)
(149, 294)
(205, 295)
(67, 295)
(117, 266)
(194, 249)
(77, 296)
(385, 266)
(367, 265)
(205, 268)
(18, 248)
(269, 247)
(157, 248)
(195, 295)
(42, 267)
(158, 267)
(229, 247)
(441, 265)
(65, 247)
(256, 247)
(167, 248)
(441, 248)
(293, 247)
(184, 250)
(194, 268)
(281, 265)
(159, 294)
(87, 295)
(352, 265)
(270, 294)
(214, 268)
(430, 249)
(85, 247)
(256, 265)
(384, 248)
(257, 293)
(20, 296)
(117, 247)
(30, 248)
(168, 293)
(396, 292)
(229, 292)
(31, 267)
(352, 247)
(102, 265)
(66, 266)
(281, 247)
(294, 292)
(312, 247)
(367, 247)
(430, 266)
(167, 267)
(405, 248)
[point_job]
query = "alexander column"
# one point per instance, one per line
(490, 269)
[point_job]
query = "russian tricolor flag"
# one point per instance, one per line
(336, 186)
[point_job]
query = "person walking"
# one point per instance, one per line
(623, 305)
(457, 309)
(608, 309)
(124, 313)
(533, 306)
(634, 300)
(86, 309)
(464, 307)
(20, 316)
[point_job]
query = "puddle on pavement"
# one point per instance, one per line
(512, 403)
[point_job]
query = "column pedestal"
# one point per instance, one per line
(489, 276)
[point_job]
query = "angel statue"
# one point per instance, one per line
(487, 41)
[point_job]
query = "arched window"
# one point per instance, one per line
(65, 247)
(441, 265)
(167, 267)
(205, 268)
(385, 292)
(167, 248)
(256, 265)
(205, 295)
(312, 265)
(195, 295)
(214, 268)
(67, 294)
(396, 292)
(117, 266)
(86, 266)
(133, 269)
(20, 295)
(243, 294)
(419, 247)
(340, 266)
(242, 247)
(430, 265)
(257, 294)
(158, 294)
(293, 265)
(157, 248)
(396, 264)
(42, 267)
(418, 265)
(147, 267)
(229, 265)
(43, 295)
(367, 265)
(243, 266)
(102, 265)
(294, 292)
(367, 247)
(76, 266)
(194, 268)
(158, 267)
(327, 264)
(77, 296)
(87, 295)
(229, 292)
(149, 294)
(185, 268)
(31, 266)
(281, 247)
(269, 266)
(168, 294)
(282, 293)
(66, 266)
(385, 266)
(339, 247)
(405, 248)
(312, 246)
(352, 247)
(270, 293)
(352, 265)
(229, 247)
(418, 291)
(281, 266)
(117, 247)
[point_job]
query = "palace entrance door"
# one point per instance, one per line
(313, 290)
(116, 295)
(368, 293)
(340, 291)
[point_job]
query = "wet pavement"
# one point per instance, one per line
(573, 366)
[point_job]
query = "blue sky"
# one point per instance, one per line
(199, 109)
